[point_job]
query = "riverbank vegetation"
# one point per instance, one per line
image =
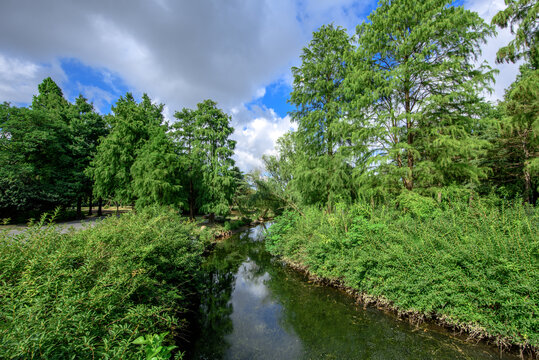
(89, 294)
(403, 182)
(474, 267)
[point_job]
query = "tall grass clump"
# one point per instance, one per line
(471, 265)
(90, 294)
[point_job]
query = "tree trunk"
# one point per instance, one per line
(90, 200)
(191, 201)
(99, 207)
(527, 176)
(409, 183)
(79, 207)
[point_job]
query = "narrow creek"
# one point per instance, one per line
(254, 307)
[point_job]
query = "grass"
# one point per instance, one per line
(90, 294)
(474, 267)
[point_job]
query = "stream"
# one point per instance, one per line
(254, 307)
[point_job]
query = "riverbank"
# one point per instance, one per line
(253, 307)
(472, 269)
(89, 294)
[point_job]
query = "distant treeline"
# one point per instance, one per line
(55, 153)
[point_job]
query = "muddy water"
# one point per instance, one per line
(254, 307)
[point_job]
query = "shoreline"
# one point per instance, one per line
(379, 302)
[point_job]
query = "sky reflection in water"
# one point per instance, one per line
(256, 308)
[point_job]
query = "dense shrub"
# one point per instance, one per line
(473, 264)
(90, 294)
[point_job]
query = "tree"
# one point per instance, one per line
(419, 92)
(86, 129)
(520, 130)
(50, 97)
(203, 136)
(183, 132)
(215, 149)
(131, 126)
(323, 134)
(34, 161)
(275, 190)
(157, 172)
(521, 17)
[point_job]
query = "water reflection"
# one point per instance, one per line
(255, 308)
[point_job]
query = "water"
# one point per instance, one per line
(254, 307)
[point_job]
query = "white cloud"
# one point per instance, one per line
(182, 52)
(19, 78)
(258, 136)
(507, 72)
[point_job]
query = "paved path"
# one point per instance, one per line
(67, 226)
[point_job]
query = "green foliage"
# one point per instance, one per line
(157, 172)
(419, 92)
(35, 161)
(474, 265)
(90, 294)
(515, 140)
(45, 151)
(521, 17)
(131, 127)
(323, 140)
(202, 136)
(154, 348)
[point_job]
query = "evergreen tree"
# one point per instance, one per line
(215, 149)
(202, 136)
(34, 161)
(520, 131)
(131, 126)
(157, 172)
(323, 134)
(419, 92)
(86, 129)
(185, 140)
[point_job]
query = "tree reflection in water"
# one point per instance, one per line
(255, 308)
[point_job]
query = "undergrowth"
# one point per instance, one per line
(90, 294)
(474, 265)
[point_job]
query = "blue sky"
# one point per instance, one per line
(238, 53)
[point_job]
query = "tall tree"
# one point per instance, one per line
(86, 129)
(203, 136)
(34, 161)
(157, 172)
(131, 125)
(216, 150)
(324, 130)
(419, 91)
(520, 131)
(183, 131)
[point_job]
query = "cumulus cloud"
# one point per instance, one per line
(507, 72)
(19, 78)
(258, 136)
(182, 52)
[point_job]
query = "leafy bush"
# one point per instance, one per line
(475, 265)
(153, 347)
(90, 294)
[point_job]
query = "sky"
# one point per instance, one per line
(238, 53)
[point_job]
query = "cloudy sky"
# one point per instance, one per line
(236, 52)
